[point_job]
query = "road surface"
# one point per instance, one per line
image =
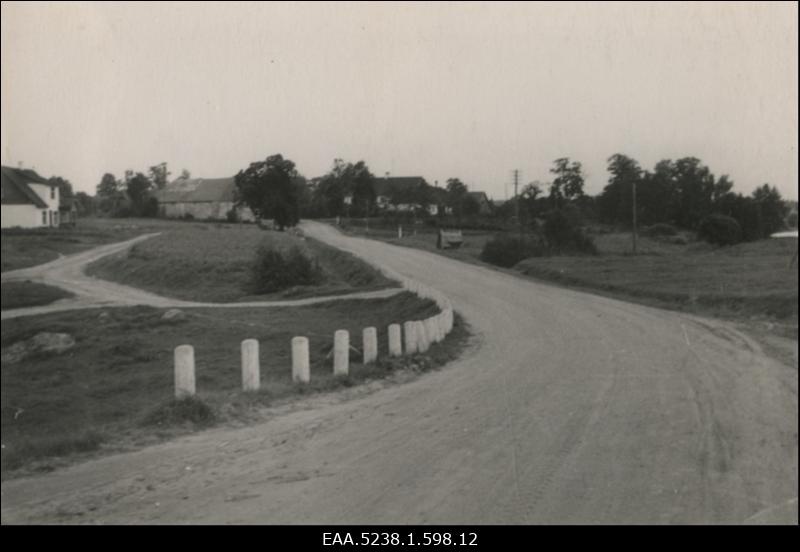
(570, 408)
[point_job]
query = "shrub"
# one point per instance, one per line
(720, 230)
(660, 229)
(275, 270)
(563, 233)
(506, 251)
(232, 215)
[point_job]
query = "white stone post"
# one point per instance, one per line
(423, 342)
(301, 369)
(370, 342)
(395, 340)
(251, 368)
(399, 230)
(410, 333)
(184, 371)
(341, 352)
(432, 330)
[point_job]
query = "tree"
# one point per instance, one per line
(159, 175)
(268, 188)
(142, 203)
(456, 193)
(771, 209)
(616, 200)
(568, 183)
(694, 189)
(86, 203)
(361, 183)
(185, 175)
(108, 186)
(64, 186)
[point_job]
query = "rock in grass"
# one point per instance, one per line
(41, 343)
(173, 315)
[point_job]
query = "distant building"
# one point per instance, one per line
(68, 211)
(404, 194)
(28, 200)
(484, 205)
(201, 199)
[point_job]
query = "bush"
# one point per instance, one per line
(506, 251)
(563, 233)
(232, 215)
(720, 230)
(659, 230)
(275, 270)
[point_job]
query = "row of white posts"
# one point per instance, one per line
(419, 336)
(415, 336)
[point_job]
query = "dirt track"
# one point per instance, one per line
(68, 273)
(572, 408)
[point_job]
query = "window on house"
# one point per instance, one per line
(44, 218)
(52, 193)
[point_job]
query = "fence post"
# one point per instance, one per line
(184, 371)
(370, 342)
(251, 368)
(395, 340)
(301, 370)
(423, 342)
(410, 333)
(341, 352)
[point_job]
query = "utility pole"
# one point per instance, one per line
(634, 217)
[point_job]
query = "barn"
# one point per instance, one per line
(28, 200)
(201, 199)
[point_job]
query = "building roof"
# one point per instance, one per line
(480, 196)
(198, 190)
(387, 185)
(16, 189)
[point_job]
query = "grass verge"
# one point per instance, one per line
(114, 389)
(16, 295)
(212, 262)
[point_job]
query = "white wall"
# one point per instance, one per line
(52, 202)
(22, 216)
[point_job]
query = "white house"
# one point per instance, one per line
(28, 200)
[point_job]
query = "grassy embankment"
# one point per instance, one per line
(22, 248)
(114, 389)
(16, 295)
(212, 262)
(742, 282)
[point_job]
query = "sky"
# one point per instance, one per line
(440, 90)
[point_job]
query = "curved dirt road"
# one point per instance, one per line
(68, 272)
(571, 408)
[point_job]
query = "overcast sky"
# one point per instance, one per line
(437, 90)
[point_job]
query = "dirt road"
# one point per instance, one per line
(68, 273)
(571, 408)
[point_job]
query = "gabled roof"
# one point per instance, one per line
(480, 196)
(198, 190)
(387, 185)
(16, 189)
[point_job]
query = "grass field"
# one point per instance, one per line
(212, 262)
(24, 248)
(750, 280)
(16, 295)
(114, 389)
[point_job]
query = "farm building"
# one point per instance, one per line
(28, 200)
(201, 199)
(402, 193)
(482, 200)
